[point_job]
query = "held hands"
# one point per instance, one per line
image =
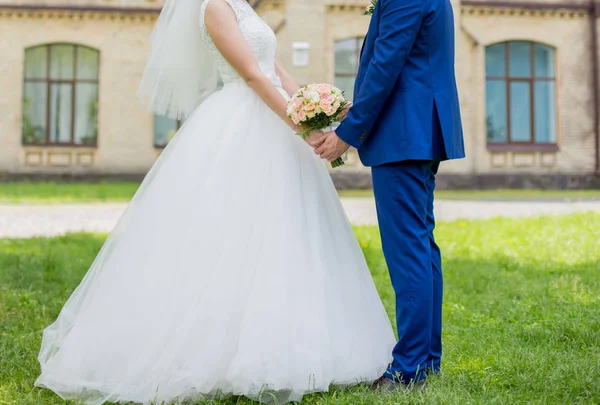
(313, 136)
(329, 146)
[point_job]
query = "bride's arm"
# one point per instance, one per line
(221, 23)
(288, 82)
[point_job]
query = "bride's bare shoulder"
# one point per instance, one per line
(219, 16)
(220, 9)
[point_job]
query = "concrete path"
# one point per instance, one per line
(24, 220)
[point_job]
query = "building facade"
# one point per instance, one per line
(527, 76)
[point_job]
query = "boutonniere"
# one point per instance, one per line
(371, 8)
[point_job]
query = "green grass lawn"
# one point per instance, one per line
(53, 192)
(56, 192)
(521, 312)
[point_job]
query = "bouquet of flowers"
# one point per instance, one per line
(317, 106)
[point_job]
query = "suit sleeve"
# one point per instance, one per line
(399, 24)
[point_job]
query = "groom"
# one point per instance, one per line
(406, 120)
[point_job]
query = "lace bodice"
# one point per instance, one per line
(258, 34)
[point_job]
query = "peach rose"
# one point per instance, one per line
(325, 106)
(330, 110)
(295, 118)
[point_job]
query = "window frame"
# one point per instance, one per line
(178, 125)
(508, 80)
(358, 42)
(49, 82)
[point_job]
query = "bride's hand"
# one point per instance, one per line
(313, 137)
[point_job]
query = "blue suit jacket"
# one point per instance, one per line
(405, 99)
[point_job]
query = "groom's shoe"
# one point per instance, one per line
(418, 386)
(386, 384)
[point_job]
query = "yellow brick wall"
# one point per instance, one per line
(569, 34)
(125, 143)
(125, 127)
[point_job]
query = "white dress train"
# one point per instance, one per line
(233, 271)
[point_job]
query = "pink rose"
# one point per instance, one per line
(309, 107)
(327, 99)
(324, 89)
(298, 102)
(295, 118)
(302, 115)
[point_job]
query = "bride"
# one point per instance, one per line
(234, 269)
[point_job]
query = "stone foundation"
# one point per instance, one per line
(360, 179)
(558, 181)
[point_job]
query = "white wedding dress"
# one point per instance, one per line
(234, 270)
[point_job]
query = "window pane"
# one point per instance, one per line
(545, 64)
(346, 55)
(495, 106)
(34, 113)
(495, 60)
(60, 113)
(36, 63)
(520, 59)
(87, 63)
(164, 130)
(545, 112)
(86, 114)
(61, 62)
(346, 84)
(520, 112)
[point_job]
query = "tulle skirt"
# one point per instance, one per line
(233, 271)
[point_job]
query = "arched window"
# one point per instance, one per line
(347, 54)
(60, 97)
(520, 93)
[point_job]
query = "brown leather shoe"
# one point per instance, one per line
(385, 384)
(419, 386)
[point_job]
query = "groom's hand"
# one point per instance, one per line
(330, 146)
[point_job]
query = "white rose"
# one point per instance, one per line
(313, 96)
